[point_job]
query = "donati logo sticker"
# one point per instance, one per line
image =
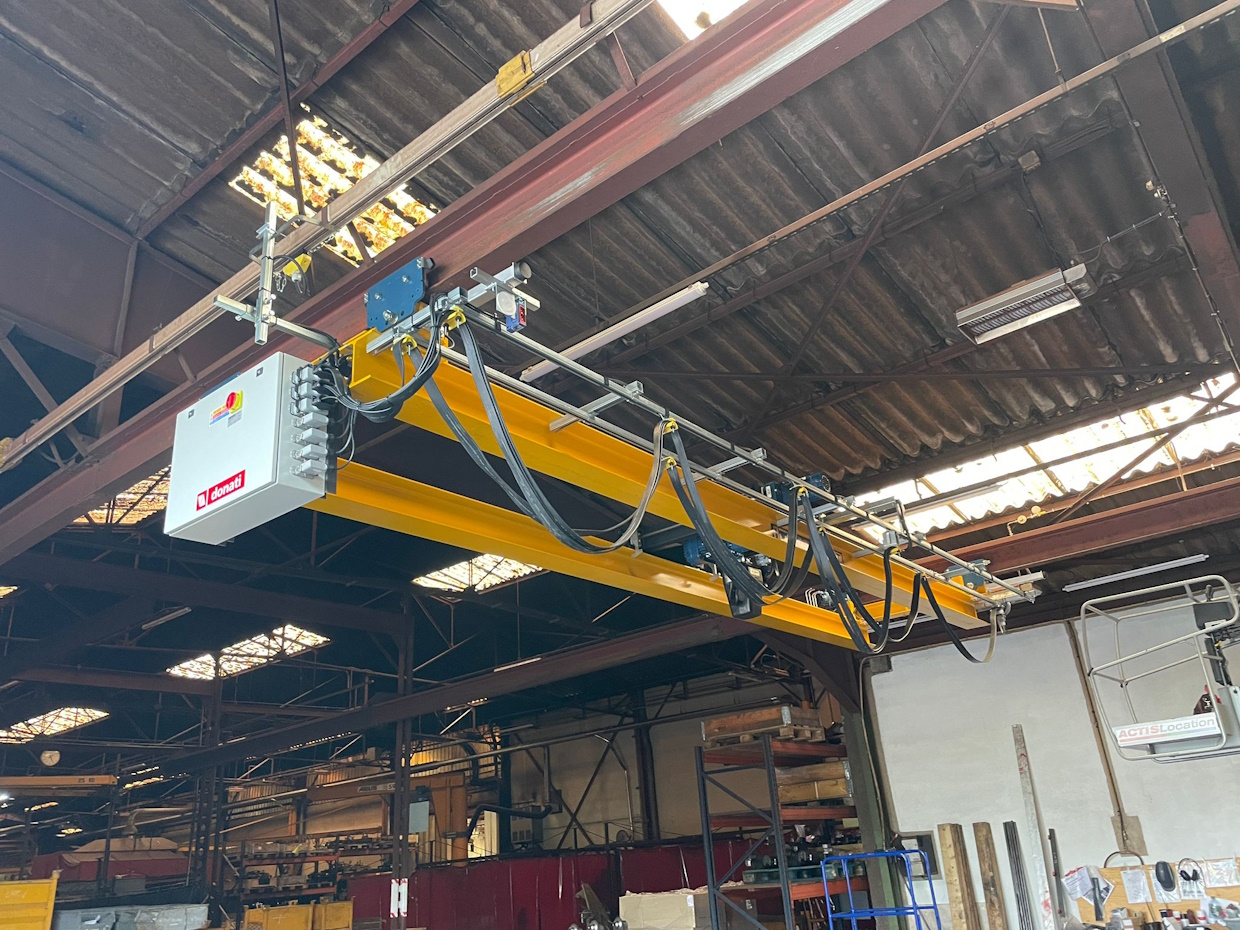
(220, 491)
(230, 409)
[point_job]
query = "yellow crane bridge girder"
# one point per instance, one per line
(596, 461)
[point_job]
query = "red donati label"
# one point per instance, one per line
(221, 490)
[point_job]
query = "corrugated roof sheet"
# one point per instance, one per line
(1087, 455)
(119, 132)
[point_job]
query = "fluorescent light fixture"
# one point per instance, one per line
(1138, 572)
(619, 330)
(517, 664)
(1025, 304)
(167, 615)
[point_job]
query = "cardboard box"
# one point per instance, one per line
(676, 910)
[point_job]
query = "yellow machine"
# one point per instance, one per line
(28, 905)
(749, 550)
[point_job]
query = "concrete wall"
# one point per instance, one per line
(945, 728)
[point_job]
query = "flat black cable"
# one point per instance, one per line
(734, 572)
(540, 509)
(850, 594)
(386, 408)
(950, 630)
(842, 595)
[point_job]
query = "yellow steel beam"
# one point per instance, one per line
(404, 506)
(589, 458)
(28, 784)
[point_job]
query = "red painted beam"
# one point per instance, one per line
(271, 117)
(734, 72)
(1114, 529)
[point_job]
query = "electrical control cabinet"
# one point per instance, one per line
(246, 453)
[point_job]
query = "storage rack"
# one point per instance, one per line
(764, 753)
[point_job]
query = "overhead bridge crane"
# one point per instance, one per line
(280, 436)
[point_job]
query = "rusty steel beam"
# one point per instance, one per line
(1204, 372)
(944, 536)
(118, 681)
(570, 663)
(698, 94)
(271, 117)
(195, 592)
(1113, 529)
(64, 644)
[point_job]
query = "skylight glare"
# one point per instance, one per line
(250, 653)
(1067, 464)
(477, 574)
(329, 166)
(694, 16)
(133, 505)
(52, 723)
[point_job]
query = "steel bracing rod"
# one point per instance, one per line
(290, 121)
(1206, 414)
(547, 58)
(1204, 371)
(876, 224)
(837, 252)
(1157, 445)
(644, 403)
(1162, 40)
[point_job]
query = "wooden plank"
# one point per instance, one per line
(822, 771)
(826, 789)
(786, 753)
(958, 878)
(992, 886)
(760, 720)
